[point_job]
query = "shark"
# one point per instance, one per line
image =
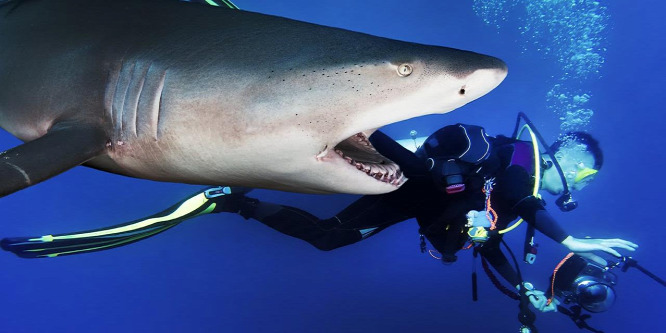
(183, 92)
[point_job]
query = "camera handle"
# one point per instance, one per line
(631, 262)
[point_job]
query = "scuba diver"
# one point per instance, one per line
(464, 188)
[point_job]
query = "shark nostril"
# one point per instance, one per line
(462, 90)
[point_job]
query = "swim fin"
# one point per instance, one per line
(203, 202)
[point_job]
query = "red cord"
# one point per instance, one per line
(552, 281)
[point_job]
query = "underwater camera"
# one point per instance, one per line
(585, 283)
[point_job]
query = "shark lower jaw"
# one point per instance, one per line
(362, 157)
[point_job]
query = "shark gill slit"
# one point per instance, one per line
(121, 104)
(114, 105)
(129, 104)
(127, 98)
(142, 84)
(157, 106)
(111, 88)
(124, 82)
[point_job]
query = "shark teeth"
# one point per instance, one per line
(323, 153)
(358, 152)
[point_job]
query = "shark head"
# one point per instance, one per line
(326, 101)
(406, 87)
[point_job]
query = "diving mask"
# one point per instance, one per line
(585, 174)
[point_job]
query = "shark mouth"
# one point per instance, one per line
(359, 153)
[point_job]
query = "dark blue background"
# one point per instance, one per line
(224, 274)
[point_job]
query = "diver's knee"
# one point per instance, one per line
(332, 240)
(248, 207)
(253, 208)
(324, 246)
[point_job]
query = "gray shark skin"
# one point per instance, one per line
(181, 92)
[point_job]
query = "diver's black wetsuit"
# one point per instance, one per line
(441, 216)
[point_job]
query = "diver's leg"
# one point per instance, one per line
(299, 224)
(362, 219)
(370, 214)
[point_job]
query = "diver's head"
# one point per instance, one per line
(580, 157)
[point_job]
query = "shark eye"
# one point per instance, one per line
(405, 69)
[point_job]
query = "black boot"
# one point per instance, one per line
(227, 198)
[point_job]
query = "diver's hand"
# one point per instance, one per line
(540, 301)
(594, 244)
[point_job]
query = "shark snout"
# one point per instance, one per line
(482, 81)
(482, 77)
(498, 70)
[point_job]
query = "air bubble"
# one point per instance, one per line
(570, 32)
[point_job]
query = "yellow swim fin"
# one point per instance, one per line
(203, 202)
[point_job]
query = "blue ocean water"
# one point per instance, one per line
(572, 64)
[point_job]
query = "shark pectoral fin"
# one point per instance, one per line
(63, 147)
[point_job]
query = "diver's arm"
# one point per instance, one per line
(515, 186)
(535, 214)
(389, 148)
